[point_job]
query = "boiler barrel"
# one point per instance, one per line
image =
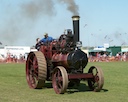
(77, 59)
(74, 59)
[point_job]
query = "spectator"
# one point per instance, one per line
(15, 58)
(124, 57)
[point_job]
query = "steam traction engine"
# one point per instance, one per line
(62, 62)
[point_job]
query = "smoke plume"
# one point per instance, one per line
(20, 22)
(71, 6)
(37, 8)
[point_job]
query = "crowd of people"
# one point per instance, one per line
(15, 59)
(12, 58)
(107, 58)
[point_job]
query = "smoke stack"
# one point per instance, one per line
(76, 27)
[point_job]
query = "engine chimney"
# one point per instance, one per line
(76, 28)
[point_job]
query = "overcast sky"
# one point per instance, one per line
(101, 21)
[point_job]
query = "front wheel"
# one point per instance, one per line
(96, 83)
(60, 80)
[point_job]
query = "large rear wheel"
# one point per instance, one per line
(36, 69)
(60, 80)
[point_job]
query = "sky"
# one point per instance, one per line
(101, 21)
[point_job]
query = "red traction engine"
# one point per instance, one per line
(62, 62)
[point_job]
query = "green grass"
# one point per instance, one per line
(14, 88)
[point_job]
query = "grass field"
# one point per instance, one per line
(14, 88)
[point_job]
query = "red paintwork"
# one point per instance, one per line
(47, 50)
(60, 59)
(54, 55)
(81, 76)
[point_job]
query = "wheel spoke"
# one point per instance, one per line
(58, 73)
(30, 61)
(60, 85)
(35, 66)
(32, 80)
